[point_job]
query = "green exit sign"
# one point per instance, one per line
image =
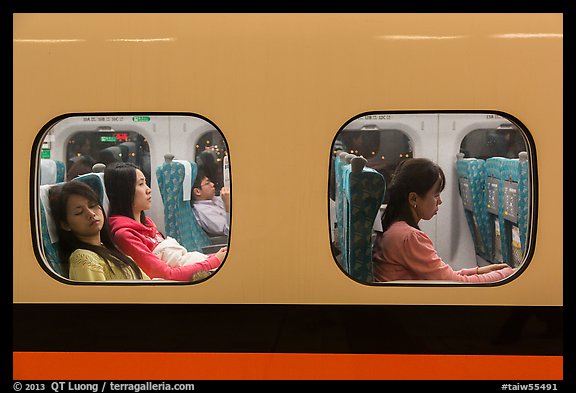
(108, 138)
(141, 118)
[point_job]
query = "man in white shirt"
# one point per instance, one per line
(211, 211)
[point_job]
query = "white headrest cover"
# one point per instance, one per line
(47, 171)
(187, 186)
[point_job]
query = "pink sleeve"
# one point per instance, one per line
(153, 266)
(422, 259)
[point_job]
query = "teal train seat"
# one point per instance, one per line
(508, 203)
(96, 182)
(175, 180)
(523, 199)
(340, 161)
(47, 224)
(48, 231)
(338, 198)
(363, 190)
(51, 171)
(472, 182)
(493, 201)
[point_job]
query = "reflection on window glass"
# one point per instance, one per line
(120, 198)
(383, 149)
(458, 209)
(86, 148)
(503, 141)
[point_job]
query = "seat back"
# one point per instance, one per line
(96, 182)
(48, 225)
(48, 232)
(472, 183)
(342, 171)
(339, 197)
(128, 151)
(175, 179)
(51, 171)
(513, 207)
(110, 154)
(523, 198)
(493, 201)
(364, 190)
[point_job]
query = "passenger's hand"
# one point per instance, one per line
(225, 195)
(491, 268)
(221, 254)
(498, 266)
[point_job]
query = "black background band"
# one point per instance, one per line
(364, 329)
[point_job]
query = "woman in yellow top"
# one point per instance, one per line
(84, 237)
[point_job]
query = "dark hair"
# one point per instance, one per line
(198, 181)
(68, 242)
(413, 175)
(80, 166)
(120, 182)
(207, 160)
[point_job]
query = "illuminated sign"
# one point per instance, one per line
(116, 137)
(121, 136)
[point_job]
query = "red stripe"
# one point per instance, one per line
(262, 366)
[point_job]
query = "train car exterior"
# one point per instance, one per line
(279, 90)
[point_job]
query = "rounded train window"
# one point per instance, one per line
(104, 180)
(432, 198)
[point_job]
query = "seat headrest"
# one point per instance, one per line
(167, 169)
(48, 171)
(44, 200)
(96, 182)
(188, 181)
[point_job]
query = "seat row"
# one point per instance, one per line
(359, 193)
(495, 197)
(175, 179)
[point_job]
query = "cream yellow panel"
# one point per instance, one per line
(280, 86)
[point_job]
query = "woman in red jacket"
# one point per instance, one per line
(404, 252)
(135, 234)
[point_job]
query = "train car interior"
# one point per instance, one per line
(78, 148)
(486, 206)
(485, 157)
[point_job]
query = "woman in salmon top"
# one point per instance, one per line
(404, 252)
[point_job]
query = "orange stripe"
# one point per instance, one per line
(261, 366)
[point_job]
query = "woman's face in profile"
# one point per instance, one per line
(142, 193)
(427, 207)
